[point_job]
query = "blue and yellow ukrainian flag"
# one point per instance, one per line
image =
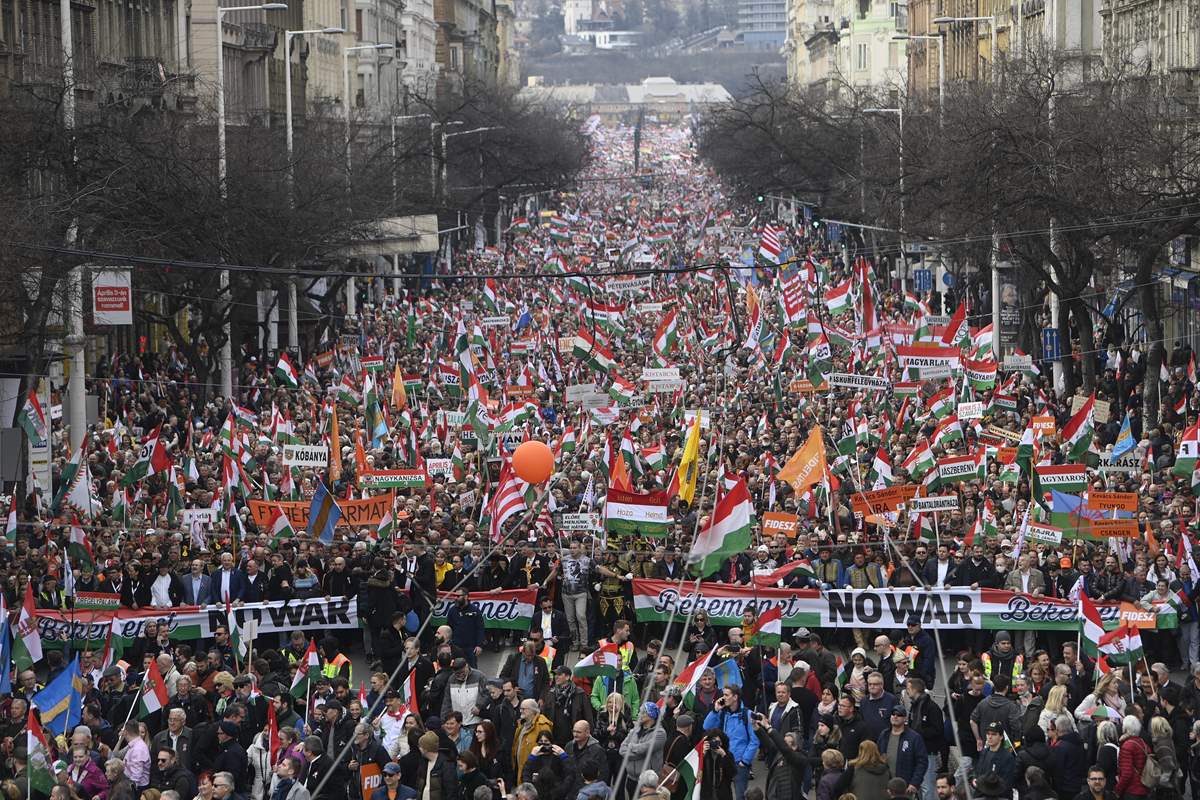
(323, 515)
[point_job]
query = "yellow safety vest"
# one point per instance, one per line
(333, 669)
(1017, 670)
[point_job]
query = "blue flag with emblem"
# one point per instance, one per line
(728, 673)
(61, 702)
(323, 515)
(1124, 441)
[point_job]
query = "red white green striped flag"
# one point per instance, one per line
(729, 531)
(768, 628)
(1078, 432)
(691, 771)
(154, 691)
(690, 676)
(604, 662)
(308, 666)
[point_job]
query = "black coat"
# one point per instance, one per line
(232, 758)
(1068, 764)
(443, 780)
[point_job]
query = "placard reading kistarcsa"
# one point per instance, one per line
(660, 373)
(858, 381)
(665, 387)
(580, 522)
(937, 503)
(305, 455)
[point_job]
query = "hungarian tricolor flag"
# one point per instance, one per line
(32, 420)
(605, 662)
(1189, 453)
(803, 566)
(1092, 627)
(27, 640)
(154, 691)
(285, 372)
(38, 763)
(307, 669)
(691, 770)
(279, 526)
(10, 528)
(1078, 431)
(1122, 646)
(152, 459)
(690, 676)
(729, 531)
(78, 546)
(667, 334)
(768, 628)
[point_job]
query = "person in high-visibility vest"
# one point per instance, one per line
(334, 663)
(1002, 659)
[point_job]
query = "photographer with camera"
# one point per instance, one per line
(551, 770)
(733, 719)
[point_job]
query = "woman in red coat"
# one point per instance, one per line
(1131, 760)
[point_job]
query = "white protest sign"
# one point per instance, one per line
(305, 455)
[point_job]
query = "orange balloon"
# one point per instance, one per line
(533, 462)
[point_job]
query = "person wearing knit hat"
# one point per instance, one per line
(438, 774)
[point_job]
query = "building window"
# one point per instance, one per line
(358, 25)
(863, 57)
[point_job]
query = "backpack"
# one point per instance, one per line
(1152, 774)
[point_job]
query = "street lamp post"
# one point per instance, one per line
(941, 43)
(293, 312)
(991, 21)
(227, 346)
(433, 169)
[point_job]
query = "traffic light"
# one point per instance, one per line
(760, 198)
(817, 221)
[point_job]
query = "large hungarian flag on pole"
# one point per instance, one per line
(27, 641)
(768, 628)
(605, 662)
(691, 770)
(41, 776)
(152, 459)
(729, 531)
(1078, 431)
(154, 691)
(1122, 646)
(306, 669)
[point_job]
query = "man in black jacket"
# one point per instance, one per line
(320, 765)
(585, 749)
(678, 748)
(854, 732)
(171, 775)
(440, 779)
(231, 756)
(925, 717)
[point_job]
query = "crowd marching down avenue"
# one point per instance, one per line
(665, 496)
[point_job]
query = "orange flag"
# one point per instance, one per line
(807, 467)
(399, 396)
(360, 455)
(335, 449)
(618, 474)
(1152, 542)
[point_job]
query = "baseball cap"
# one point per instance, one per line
(995, 727)
(391, 768)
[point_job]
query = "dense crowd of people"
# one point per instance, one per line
(830, 713)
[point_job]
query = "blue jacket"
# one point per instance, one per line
(877, 714)
(743, 744)
(912, 759)
(466, 626)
